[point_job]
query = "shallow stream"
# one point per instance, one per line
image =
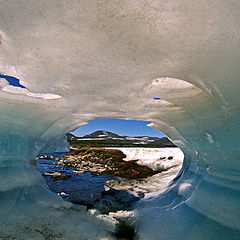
(82, 189)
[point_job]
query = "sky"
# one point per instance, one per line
(12, 81)
(119, 126)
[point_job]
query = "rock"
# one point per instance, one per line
(54, 174)
(107, 161)
(115, 200)
(79, 171)
(63, 194)
(57, 175)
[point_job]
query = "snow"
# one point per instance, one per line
(98, 60)
(157, 159)
(154, 158)
(17, 90)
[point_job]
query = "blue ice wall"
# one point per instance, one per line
(82, 60)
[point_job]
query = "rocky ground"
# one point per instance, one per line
(140, 178)
(105, 161)
(138, 181)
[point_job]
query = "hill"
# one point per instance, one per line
(106, 138)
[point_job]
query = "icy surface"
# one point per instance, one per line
(168, 160)
(155, 158)
(174, 63)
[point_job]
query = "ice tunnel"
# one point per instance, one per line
(173, 63)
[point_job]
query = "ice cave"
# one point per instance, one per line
(174, 63)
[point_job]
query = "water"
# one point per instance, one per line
(81, 189)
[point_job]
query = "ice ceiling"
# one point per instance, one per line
(174, 63)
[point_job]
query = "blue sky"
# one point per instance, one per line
(119, 126)
(12, 81)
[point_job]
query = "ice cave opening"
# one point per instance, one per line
(127, 154)
(42, 214)
(111, 171)
(173, 63)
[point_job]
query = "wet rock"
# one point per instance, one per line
(57, 175)
(63, 194)
(53, 174)
(115, 200)
(79, 171)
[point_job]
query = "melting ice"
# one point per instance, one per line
(111, 61)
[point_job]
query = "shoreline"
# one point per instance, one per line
(116, 198)
(164, 169)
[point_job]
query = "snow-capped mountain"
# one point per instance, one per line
(109, 136)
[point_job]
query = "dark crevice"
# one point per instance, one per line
(125, 232)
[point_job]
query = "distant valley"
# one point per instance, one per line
(102, 137)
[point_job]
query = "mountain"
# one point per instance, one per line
(103, 135)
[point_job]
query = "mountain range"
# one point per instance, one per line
(103, 135)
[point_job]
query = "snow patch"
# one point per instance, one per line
(24, 91)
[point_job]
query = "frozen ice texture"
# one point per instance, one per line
(155, 158)
(113, 59)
